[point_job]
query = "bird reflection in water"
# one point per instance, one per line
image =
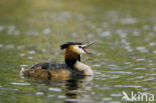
(72, 87)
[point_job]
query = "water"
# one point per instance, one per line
(32, 30)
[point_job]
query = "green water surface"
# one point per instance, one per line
(31, 31)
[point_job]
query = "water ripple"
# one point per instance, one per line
(106, 99)
(1, 28)
(116, 95)
(133, 86)
(47, 31)
(31, 52)
(139, 68)
(55, 89)
(114, 102)
(71, 100)
(129, 20)
(22, 84)
(39, 93)
(1, 45)
(120, 72)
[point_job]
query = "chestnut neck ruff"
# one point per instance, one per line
(71, 57)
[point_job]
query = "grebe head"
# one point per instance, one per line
(73, 51)
(77, 48)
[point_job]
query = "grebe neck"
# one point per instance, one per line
(71, 58)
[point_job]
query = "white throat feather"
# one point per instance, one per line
(83, 67)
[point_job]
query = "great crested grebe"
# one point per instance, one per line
(71, 67)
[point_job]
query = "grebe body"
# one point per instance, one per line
(62, 71)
